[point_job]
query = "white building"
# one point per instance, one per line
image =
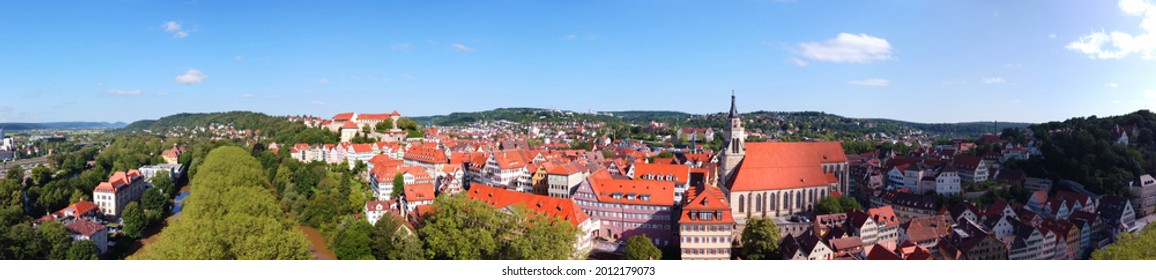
(86, 230)
(121, 188)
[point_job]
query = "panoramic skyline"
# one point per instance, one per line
(942, 61)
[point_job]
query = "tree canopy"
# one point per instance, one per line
(640, 247)
(1131, 246)
(230, 214)
(842, 204)
(761, 239)
(464, 229)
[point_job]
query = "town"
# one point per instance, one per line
(384, 186)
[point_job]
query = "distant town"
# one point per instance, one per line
(547, 184)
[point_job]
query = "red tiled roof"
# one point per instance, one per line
(419, 192)
(563, 169)
(349, 125)
(81, 208)
(785, 165)
(84, 227)
(343, 117)
(634, 191)
(426, 154)
(882, 254)
(709, 199)
(105, 186)
(395, 114)
(884, 216)
(511, 159)
(561, 208)
(362, 148)
(372, 205)
(373, 117)
(681, 173)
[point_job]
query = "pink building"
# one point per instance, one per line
(629, 207)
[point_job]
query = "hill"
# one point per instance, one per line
(1088, 150)
(765, 121)
(278, 129)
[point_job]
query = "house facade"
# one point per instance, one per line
(121, 189)
(706, 225)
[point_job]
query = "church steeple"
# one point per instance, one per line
(734, 150)
(734, 110)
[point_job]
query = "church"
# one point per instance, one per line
(777, 179)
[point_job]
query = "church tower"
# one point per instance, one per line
(734, 149)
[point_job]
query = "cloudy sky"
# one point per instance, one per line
(926, 61)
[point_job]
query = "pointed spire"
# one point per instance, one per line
(734, 110)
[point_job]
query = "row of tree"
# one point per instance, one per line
(231, 214)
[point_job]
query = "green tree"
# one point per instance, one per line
(384, 125)
(57, 238)
(665, 154)
(639, 247)
(304, 181)
(352, 241)
(540, 237)
(828, 205)
(608, 154)
(153, 199)
(41, 175)
(463, 229)
(84, 250)
(1130, 246)
(392, 241)
(24, 243)
(231, 216)
(398, 185)
(163, 182)
(282, 179)
(134, 220)
(761, 239)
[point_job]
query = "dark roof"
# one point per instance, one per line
(789, 246)
(881, 253)
(1112, 207)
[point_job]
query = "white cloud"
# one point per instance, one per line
(323, 81)
(100, 84)
(1013, 65)
(402, 47)
(124, 92)
(1112, 85)
(797, 61)
(462, 48)
(408, 77)
(248, 95)
(1119, 44)
(992, 80)
(953, 83)
(238, 58)
(570, 37)
(172, 26)
(1115, 101)
(193, 76)
(872, 82)
(176, 29)
(318, 103)
(1053, 35)
(848, 48)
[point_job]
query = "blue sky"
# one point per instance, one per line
(925, 61)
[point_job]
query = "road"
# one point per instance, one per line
(27, 164)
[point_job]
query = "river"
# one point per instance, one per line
(317, 244)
